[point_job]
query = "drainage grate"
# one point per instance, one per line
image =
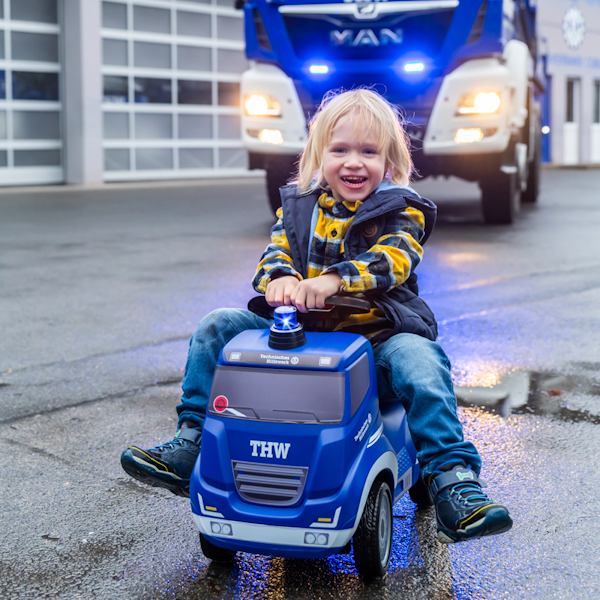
(277, 485)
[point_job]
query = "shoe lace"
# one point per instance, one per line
(169, 445)
(469, 494)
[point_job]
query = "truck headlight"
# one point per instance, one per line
(479, 103)
(468, 136)
(270, 136)
(257, 105)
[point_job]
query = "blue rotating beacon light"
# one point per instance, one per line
(286, 333)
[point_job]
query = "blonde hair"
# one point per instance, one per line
(370, 114)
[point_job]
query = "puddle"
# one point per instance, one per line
(573, 398)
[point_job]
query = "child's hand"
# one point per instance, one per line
(279, 290)
(312, 293)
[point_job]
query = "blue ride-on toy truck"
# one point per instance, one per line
(298, 458)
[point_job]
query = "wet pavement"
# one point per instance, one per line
(101, 290)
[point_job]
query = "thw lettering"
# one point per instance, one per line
(270, 449)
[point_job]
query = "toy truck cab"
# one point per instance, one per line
(294, 449)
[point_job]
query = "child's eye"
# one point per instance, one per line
(370, 151)
(338, 150)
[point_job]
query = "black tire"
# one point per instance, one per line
(420, 494)
(373, 539)
(279, 170)
(214, 553)
(532, 190)
(501, 194)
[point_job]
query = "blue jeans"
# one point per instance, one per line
(410, 369)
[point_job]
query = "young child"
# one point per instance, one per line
(351, 224)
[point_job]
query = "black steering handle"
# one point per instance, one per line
(358, 304)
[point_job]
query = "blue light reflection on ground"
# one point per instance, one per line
(406, 551)
(279, 578)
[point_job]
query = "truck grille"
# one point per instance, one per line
(276, 485)
(340, 37)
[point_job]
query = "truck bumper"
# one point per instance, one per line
(273, 540)
(314, 529)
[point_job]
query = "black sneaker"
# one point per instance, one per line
(463, 511)
(169, 465)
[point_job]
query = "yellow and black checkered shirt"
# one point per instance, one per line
(387, 264)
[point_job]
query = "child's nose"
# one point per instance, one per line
(354, 159)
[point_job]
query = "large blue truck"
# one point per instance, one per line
(467, 74)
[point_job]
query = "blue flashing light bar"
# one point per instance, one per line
(319, 69)
(285, 318)
(414, 67)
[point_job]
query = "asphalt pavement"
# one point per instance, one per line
(100, 290)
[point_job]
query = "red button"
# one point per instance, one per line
(220, 403)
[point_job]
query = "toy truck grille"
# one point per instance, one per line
(276, 485)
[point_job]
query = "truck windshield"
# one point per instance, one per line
(281, 395)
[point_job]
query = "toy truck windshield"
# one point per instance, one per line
(279, 395)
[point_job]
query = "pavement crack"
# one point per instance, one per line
(39, 451)
(97, 356)
(116, 395)
(132, 484)
(547, 297)
(165, 382)
(509, 278)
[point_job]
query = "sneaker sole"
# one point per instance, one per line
(495, 521)
(149, 476)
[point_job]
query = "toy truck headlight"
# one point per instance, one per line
(258, 105)
(316, 539)
(479, 103)
(221, 528)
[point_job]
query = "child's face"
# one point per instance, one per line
(353, 169)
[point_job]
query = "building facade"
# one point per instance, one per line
(571, 39)
(96, 91)
(119, 90)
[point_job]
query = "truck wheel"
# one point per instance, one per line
(420, 494)
(373, 538)
(214, 553)
(279, 170)
(533, 174)
(501, 195)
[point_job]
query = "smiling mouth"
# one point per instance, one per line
(354, 181)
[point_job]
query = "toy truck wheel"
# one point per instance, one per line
(420, 494)
(501, 194)
(214, 553)
(279, 170)
(373, 538)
